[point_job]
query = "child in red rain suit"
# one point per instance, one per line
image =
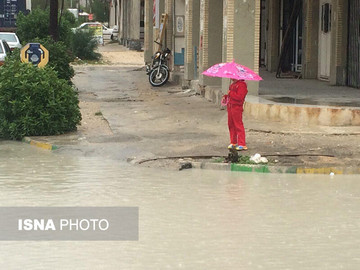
(236, 97)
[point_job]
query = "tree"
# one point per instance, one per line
(53, 27)
(100, 8)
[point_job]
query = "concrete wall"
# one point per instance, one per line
(112, 17)
(211, 35)
(310, 39)
(301, 114)
(148, 32)
(122, 21)
(156, 29)
(134, 11)
(192, 37)
(179, 11)
(129, 30)
(338, 41)
(338, 73)
(273, 36)
(169, 10)
(241, 37)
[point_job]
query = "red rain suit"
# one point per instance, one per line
(237, 94)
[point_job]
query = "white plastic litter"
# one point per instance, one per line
(257, 158)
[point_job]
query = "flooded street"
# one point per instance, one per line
(193, 219)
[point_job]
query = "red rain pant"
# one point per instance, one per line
(236, 126)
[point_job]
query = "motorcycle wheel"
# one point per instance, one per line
(161, 79)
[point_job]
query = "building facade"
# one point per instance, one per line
(202, 33)
(128, 15)
(318, 39)
(311, 39)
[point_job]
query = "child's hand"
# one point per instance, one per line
(224, 100)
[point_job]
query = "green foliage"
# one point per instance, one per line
(100, 9)
(219, 160)
(33, 25)
(43, 4)
(60, 57)
(84, 45)
(36, 25)
(35, 4)
(65, 32)
(245, 160)
(34, 101)
(70, 18)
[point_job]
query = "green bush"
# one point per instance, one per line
(70, 18)
(100, 9)
(84, 45)
(36, 25)
(33, 25)
(60, 57)
(34, 101)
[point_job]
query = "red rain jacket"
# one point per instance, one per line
(237, 93)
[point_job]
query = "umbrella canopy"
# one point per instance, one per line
(232, 70)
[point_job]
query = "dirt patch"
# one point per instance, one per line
(124, 58)
(93, 123)
(115, 54)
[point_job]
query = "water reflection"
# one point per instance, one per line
(188, 220)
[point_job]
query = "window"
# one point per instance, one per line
(8, 37)
(7, 48)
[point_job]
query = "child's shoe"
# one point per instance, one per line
(241, 147)
(231, 146)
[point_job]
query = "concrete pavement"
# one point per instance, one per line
(127, 119)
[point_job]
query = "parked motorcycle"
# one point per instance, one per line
(158, 70)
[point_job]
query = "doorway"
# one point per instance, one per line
(290, 38)
(263, 32)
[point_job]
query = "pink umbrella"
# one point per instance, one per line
(232, 70)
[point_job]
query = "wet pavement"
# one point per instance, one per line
(312, 91)
(191, 219)
(126, 119)
(311, 101)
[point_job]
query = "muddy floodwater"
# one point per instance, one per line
(192, 219)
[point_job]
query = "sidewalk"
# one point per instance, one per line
(126, 119)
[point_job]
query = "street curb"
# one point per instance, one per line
(43, 145)
(274, 168)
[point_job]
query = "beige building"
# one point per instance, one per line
(128, 15)
(318, 39)
(206, 32)
(311, 39)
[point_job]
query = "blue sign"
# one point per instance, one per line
(35, 53)
(9, 10)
